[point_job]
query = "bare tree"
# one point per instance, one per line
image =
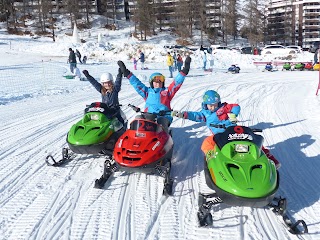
(181, 23)
(253, 22)
(230, 19)
(72, 9)
(5, 6)
(44, 8)
(142, 18)
(13, 14)
(87, 10)
(202, 18)
(158, 12)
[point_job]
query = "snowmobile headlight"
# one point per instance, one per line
(241, 148)
(94, 117)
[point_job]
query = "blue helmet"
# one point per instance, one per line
(210, 97)
(156, 75)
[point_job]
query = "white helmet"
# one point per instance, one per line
(106, 77)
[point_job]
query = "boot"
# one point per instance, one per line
(271, 157)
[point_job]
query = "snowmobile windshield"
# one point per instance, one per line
(238, 133)
(109, 112)
(144, 125)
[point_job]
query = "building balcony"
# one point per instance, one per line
(311, 27)
(306, 8)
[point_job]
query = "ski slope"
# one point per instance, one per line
(42, 202)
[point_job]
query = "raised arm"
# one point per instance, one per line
(179, 79)
(93, 81)
(118, 82)
(140, 88)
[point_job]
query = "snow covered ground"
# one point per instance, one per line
(38, 106)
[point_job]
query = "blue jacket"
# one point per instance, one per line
(111, 99)
(157, 99)
(218, 117)
(141, 57)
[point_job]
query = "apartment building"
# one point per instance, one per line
(115, 9)
(293, 22)
(308, 19)
(166, 16)
(280, 22)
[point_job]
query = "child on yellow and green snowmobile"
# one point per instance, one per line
(215, 114)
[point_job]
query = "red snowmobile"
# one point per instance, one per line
(308, 66)
(145, 147)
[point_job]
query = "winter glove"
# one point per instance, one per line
(232, 118)
(186, 68)
(119, 73)
(86, 73)
(177, 114)
(123, 69)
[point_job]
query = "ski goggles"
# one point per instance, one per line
(158, 79)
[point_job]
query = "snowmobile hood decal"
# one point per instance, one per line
(235, 136)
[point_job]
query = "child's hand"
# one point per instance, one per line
(177, 114)
(85, 72)
(123, 69)
(232, 118)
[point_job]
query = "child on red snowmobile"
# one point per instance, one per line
(216, 114)
(157, 96)
(109, 89)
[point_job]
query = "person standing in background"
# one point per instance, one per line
(315, 57)
(211, 61)
(179, 62)
(135, 63)
(204, 58)
(170, 62)
(175, 61)
(77, 74)
(78, 54)
(72, 60)
(141, 59)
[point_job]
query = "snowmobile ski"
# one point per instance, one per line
(206, 201)
(66, 157)
(109, 168)
(278, 206)
(164, 171)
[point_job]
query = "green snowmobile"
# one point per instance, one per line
(242, 175)
(96, 133)
(299, 66)
(287, 66)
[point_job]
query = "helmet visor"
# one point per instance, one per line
(158, 78)
(108, 82)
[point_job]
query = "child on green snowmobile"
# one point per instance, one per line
(109, 89)
(216, 114)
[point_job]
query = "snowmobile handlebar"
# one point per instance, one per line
(136, 109)
(160, 113)
(256, 130)
(116, 106)
(224, 127)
